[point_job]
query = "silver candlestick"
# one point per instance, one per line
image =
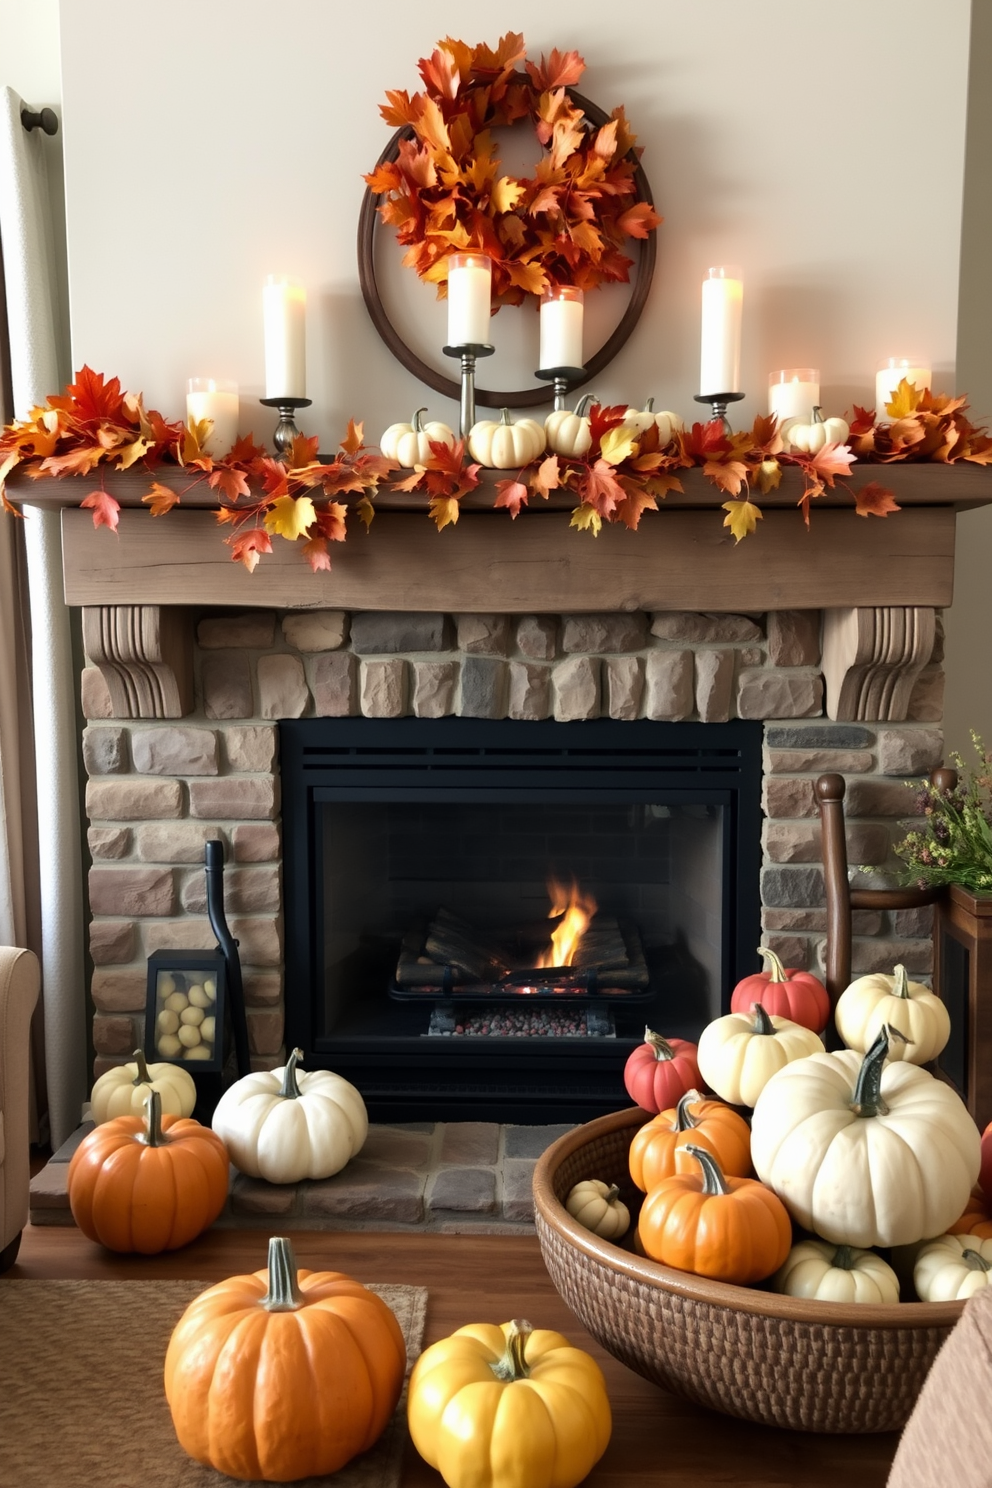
(286, 430)
(563, 379)
(718, 402)
(469, 354)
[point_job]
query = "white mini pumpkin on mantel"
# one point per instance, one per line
(505, 444)
(873, 1001)
(121, 1091)
(810, 437)
(667, 423)
(568, 432)
(283, 1126)
(410, 444)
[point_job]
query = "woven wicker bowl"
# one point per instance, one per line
(807, 1366)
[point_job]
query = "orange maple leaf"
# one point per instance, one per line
(91, 398)
(354, 440)
(160, 499)
(547, 476)
(600, 489)
(106, 511)
(316, 554)
(228, 482)
(303, 451)
(76, 462)
(248, 547)
(874, 500)
(330, 522)
(512, 494)
(728, 475)
(638, 500)
(639, 220)
(831, 460)
(559, 70)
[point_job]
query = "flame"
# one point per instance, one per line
(577, 910)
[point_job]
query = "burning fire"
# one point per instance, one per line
(577, 909)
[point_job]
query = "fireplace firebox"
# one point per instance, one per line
(482, 917)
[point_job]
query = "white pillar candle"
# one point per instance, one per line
(720, 360)
(217, 400)
(888, 377)
(284, 315)
(794, 393)
(470, 289)
(561, 327)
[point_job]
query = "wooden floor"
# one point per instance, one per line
(658, 1440)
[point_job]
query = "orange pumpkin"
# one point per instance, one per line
(976, 1219)
(283, 1374)
(658, 1149)
(148, 1183)
(729, 1229)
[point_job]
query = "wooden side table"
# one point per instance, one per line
(962, 950)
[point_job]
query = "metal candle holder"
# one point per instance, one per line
(563, 378)
(286, 430)
(469, 354)
(718, 402)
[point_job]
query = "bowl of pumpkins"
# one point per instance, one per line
(778, 1232)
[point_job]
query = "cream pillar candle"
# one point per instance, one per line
(215, 399)
(720, 360)
(561, 327)
(794, 393)
(888, 377)
(284, 315)
(470, 284)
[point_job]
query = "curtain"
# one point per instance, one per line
(36, 369)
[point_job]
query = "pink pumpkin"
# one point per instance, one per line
(660, 1071)
(788, 993)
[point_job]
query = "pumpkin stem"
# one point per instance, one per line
(504, 416)
(684, 1119)
(583, 404)
(843, 1258)
(649, 406)
(901, 985)
(762, 1022)
(868, 1091)
(613, 1194)
(512, 1365)
(153, 1135)
(418, 427)
(662, 1048)
(817, 414)
(974, 1261)
(776, 971)
(142, 1077)
(289, 1088)
(713, 1180)
(283, 1293)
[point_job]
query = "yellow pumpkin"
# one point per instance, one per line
(506, 445)
(121, 1091)
(410, 444)
(738, 1055)
(598, 1206)
(569, 433)
(508, 1407)
(873, 1002)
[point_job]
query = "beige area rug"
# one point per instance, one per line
(82, 1404)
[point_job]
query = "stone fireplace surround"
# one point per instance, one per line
(159, 787)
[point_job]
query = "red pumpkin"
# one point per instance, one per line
(985, 1172)
(788, 993)
(660, 1071)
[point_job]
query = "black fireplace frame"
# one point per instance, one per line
(463, 759)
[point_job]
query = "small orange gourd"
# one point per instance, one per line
(659, 1149)
(976, 1219)
(148, 1183)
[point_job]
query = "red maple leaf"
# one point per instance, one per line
(603, 418)
(863, 420)
(316, 554)
(599, 488)
(244, 451)
(513, 494)
(704, 441)
(874, 500)
(106, 511)
(330, 522)
(92, 398)
(248, 547)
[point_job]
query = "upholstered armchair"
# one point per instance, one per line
(19, 983)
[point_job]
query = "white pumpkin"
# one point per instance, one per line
(862, 1152)
(506, 445)
(836, 1273)
(410, 444)
(738, 1054)
(641, 419)
(569, 433)
(918, 1014)
(810, 437)
(598, 1206)
(121, 1091)
(283, 1128)
(952, 1267)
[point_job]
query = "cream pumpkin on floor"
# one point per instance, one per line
(121, 1091)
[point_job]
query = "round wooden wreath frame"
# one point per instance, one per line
(526, 397)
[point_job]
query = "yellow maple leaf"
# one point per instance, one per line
(444, 511)
(128, 453)
(194, 438)
(506, 193)
(618, 444)
(905, 401)
(742, 517)
(768, 476)
(587, 519)
(290, 516)
(365, 512)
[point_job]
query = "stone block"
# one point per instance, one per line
(794, 638)
(333, 679)
(863, 921)
(173, 842)
(383, 688)
(598, 634)
(67, 1151)
(256, 842)
(884, 955)
(926, 703)
(117, 990)
(251, 747)
(714, 685)
(112, 942)
(668, 679)
(104, 750)
(537, 637)
(799, 842)
(131, 891)
(109, 842)
(463, 1191)
(470, 1143)
(316, 630)
(174, 749)
(282, 686)
(187, 934)
(226, 683)
(531, 1141)
(396, 1149)
(792, 888)
(818, 736)
(128, 799)
(684, 625)
(365, 1191)
(255, 1196)
(529, 693)
(385, 633)
(795, 761)
(484, 683)
(246, 890)
(253, 630)
(251, 797)
(261, 940)
(113, 1033)
(263, 988)
(265, 1030)
(623, 686)
(909, 751)
(50, 1190)
(913, 923)
(94, 694)
(484, 635)
(794, 951)
(434, 684)
(575, 686)
(784, 796)
(518, 1190)
(764, 693)
(868, 795)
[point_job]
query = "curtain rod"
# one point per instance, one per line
(46, 118)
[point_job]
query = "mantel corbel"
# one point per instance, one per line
(872, 657)
(145, 655)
